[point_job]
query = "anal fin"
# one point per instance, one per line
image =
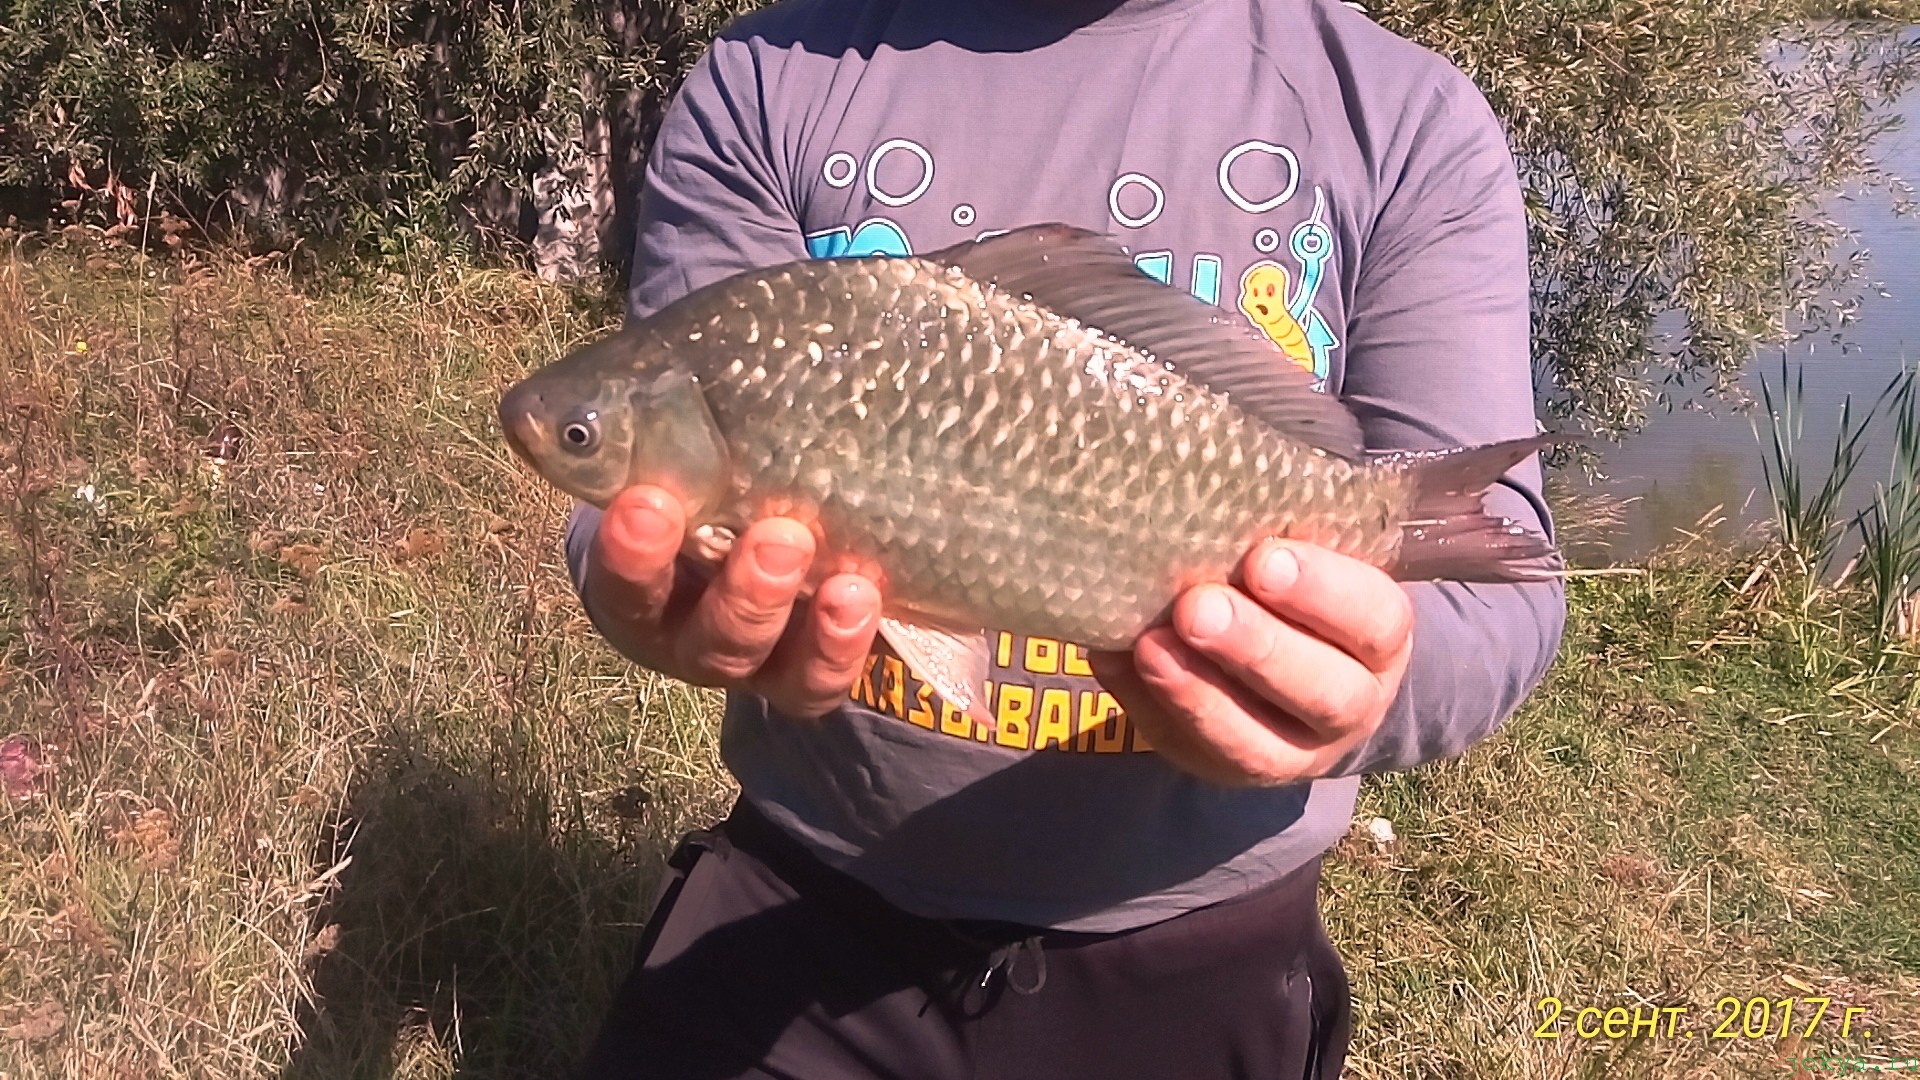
(954, 664)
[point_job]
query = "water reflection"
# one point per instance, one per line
(1689, 461)
(1708, 495)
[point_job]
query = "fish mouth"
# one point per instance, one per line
(520, 421)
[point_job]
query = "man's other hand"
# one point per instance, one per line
(747, 625)
(1274, 682)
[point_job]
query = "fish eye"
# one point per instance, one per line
(581, 433)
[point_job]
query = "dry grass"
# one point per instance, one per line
(338, 783)
(323, 717)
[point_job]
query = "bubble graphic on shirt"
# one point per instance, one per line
(1272, 150)
(963, 215)
(1134, 179)
(1266, 241)
(832, 172)
(873, 172)
(1310, 243)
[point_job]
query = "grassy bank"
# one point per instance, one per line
(337, 782)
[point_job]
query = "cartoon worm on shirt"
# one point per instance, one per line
(1263, 296)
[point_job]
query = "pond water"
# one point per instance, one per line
(1687, 461)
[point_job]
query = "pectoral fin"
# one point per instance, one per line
(954, 664)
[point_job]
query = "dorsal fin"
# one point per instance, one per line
(1083, 275)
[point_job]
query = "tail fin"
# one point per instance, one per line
(1448, 534)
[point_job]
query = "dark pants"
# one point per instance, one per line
(760, 961)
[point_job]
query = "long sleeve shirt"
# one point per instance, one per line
(1347, 191)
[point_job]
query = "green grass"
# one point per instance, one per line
(342, 785)
(1678, 815)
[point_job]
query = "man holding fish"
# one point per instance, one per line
(1058, 606)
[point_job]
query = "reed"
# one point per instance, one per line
(1808, 518)
(1889, 527)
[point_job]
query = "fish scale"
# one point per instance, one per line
(1002, 516)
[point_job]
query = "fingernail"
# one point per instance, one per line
(646, 526)
(778, 560)
(1210, 616)
(845, 612)
(1277, 571)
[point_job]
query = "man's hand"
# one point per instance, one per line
(1274, 684)
(745, 628)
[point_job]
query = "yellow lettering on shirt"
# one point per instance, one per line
(1015, 716)
(1103, 727)
(1055, 724)
(1043, 656)
(893, 686)
(862, 691)
(1029, 717)
(954, 722)
(1074, 661)
(922, 714)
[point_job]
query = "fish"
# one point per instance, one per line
(1019, 433)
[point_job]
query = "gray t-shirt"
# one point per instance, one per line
(1348, 191)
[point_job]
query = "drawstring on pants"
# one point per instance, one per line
(1005, 959)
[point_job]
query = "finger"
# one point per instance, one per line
(742, 614)
(1210, 727)
(1353, 605)
(1282, 666)
(1176, 742)
(630, 566)
(811, 672)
